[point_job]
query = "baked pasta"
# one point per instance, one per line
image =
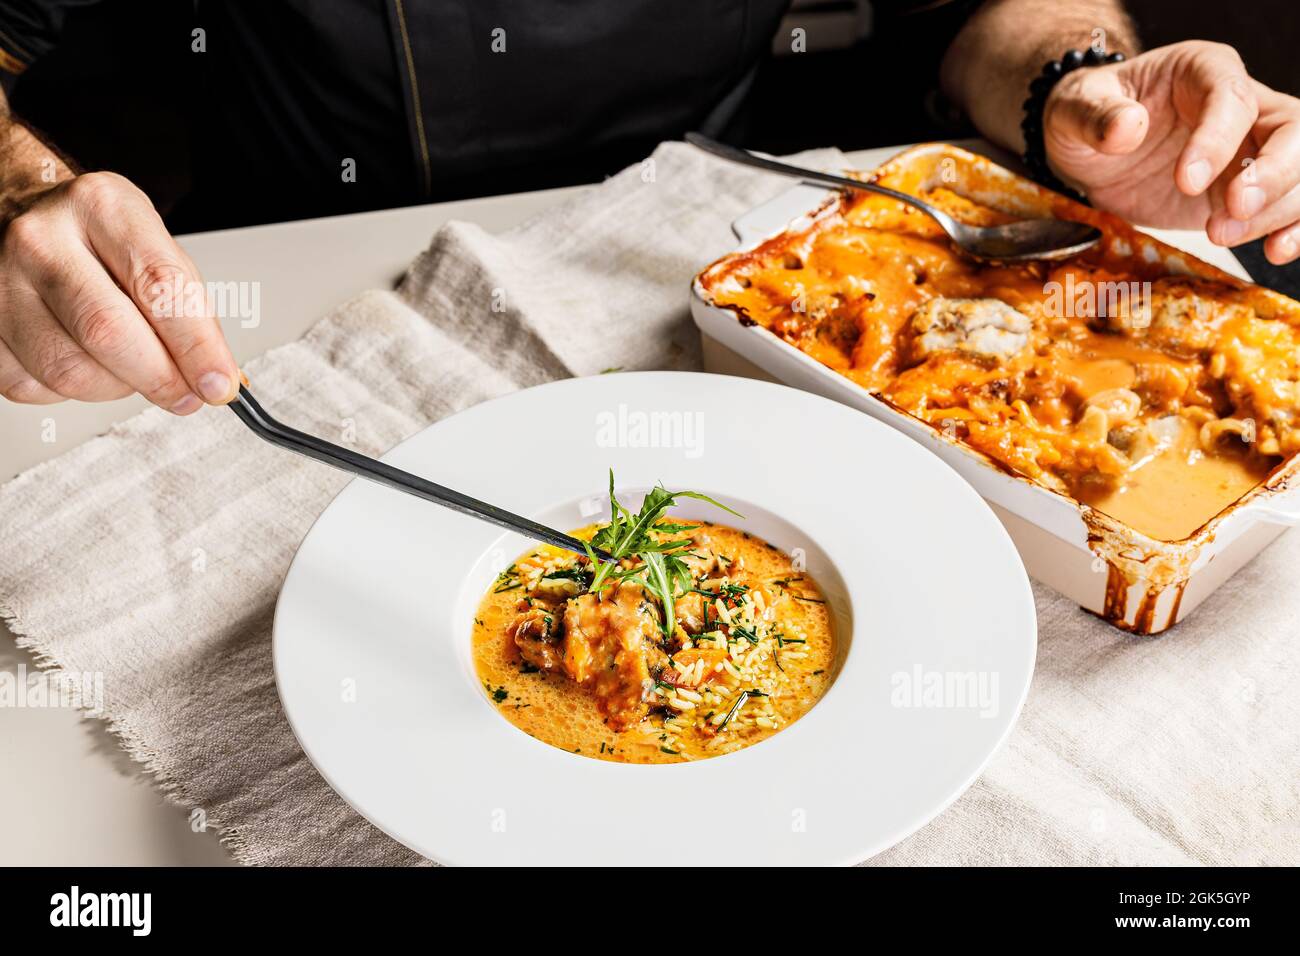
(1159, 399)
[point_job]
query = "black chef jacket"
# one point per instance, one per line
(314, 107)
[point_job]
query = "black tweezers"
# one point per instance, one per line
(255, 417)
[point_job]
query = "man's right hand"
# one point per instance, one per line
(98, 301)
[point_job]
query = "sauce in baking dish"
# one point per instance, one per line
(752, 651)
(1159, 399)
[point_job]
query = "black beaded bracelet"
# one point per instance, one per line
(1032, 125)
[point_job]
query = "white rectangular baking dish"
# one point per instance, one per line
(1134, 582)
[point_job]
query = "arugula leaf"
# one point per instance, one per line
(663, 572)
(658, 580)
(667, 527)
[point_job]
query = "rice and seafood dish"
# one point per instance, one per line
(699, 640)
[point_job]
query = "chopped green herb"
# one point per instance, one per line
(735, 709)
(580, 575)
(729, 593)
(507, 580)
(784, 584)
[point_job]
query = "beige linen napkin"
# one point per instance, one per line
(154, 554)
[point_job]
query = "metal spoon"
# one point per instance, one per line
(252, 414)
(1012, 242)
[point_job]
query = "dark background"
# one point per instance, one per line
(116, 93)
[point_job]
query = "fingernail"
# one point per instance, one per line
(1198, 174)
(187, 405)
(1286, 244)
(1232, 231)
(214, 387)
(1252, 200)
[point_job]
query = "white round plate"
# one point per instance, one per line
(930, 600)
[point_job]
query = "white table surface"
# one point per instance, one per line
(68, 795)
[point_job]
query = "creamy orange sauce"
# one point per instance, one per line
(1156, 398)
(1168, 495)
(683, 716)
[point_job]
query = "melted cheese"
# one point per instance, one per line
(1114, 353)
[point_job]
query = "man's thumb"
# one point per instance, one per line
(1110, 123)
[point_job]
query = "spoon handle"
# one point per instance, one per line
(812, 176)
(252, 414)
